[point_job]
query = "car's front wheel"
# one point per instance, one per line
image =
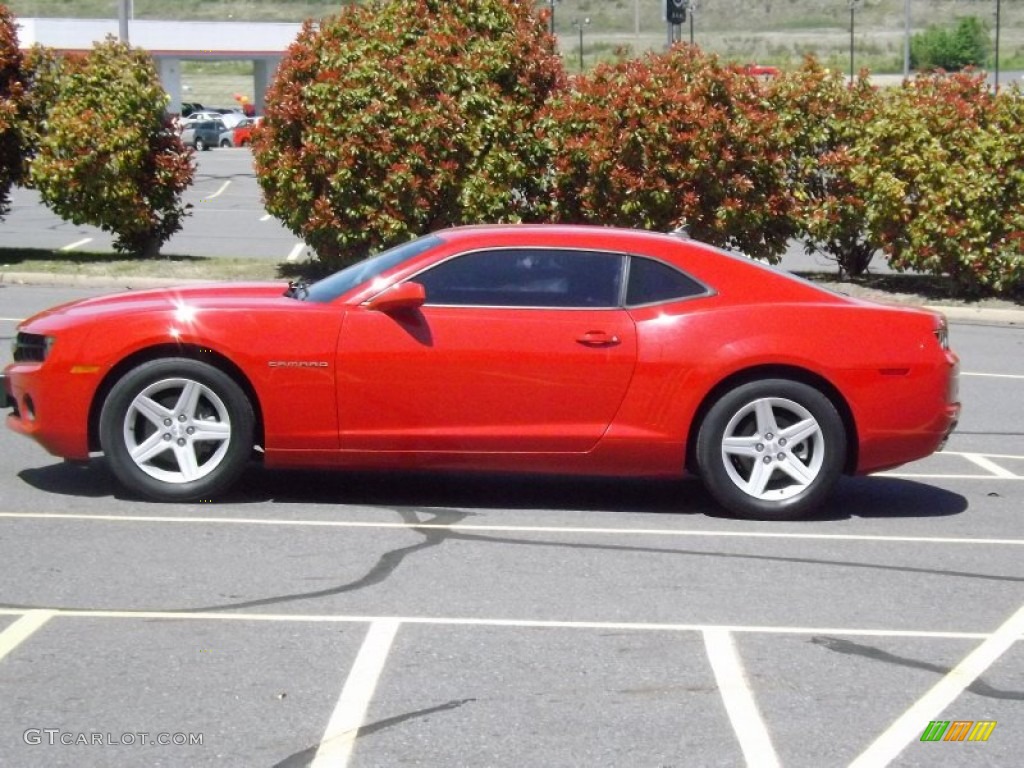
(200, 145)
(771, 449)
(177, 429)
(225, 143)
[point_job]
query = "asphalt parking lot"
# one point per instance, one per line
(370, 620)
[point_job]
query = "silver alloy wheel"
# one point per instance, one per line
(773, 448)
(177, 430)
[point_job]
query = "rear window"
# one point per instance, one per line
(653, 282)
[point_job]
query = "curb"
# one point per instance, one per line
(957, 314)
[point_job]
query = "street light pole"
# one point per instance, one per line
(997, 46)
(853, 5)
(579, 25)
(906, 38)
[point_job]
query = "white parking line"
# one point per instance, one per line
(265, 217)
(907, 727)
(739, 700)
(475, 528)
(219, 192)
(336, 746)
(990, 466)
(76, 244)
(294, 253)
(995, 375)
(450, 621)
(29, 622)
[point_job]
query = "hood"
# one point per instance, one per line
(204, 296)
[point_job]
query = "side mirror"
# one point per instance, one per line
(398, 297)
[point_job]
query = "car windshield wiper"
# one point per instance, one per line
(298, 289)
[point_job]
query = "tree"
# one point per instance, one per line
(674, 139)
(951, 50)
(400, 117)
(943, 166)
(12, 106)
(108, 155)
(820, 119)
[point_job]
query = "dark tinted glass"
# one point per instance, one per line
(651, 282)
(526, 277)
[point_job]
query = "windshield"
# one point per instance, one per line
(342, 282)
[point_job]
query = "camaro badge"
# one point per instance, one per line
(298, 364)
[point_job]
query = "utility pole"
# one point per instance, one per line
(997, 46)
(906, 38)
(123, 11)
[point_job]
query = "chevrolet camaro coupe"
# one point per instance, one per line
(532, 349)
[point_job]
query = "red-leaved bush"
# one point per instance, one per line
(396, 118)
(12, 94)
(673, 139)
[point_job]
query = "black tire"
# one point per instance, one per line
(176, 429)
(201, 145)
(761, 473)
(225, 143)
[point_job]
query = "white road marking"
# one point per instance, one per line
(29, 622)
(739, 700)
(339, 738)
(294, 253)
(11, 319)
(912, 722)
(333, 618)
(472, 528)
(265, 217)
(927, 476)
(219, 192)
(76, 244)
(990, 466)
(995, 375)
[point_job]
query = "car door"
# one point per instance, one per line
(515, 350)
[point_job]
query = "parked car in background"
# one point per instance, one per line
(572, 350)
(203, 134)
(198, 117)
(240, 135)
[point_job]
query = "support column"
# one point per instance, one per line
(263, 71)
(169, 69)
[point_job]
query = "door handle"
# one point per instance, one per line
(598, 339)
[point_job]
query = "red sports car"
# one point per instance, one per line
(558, 349)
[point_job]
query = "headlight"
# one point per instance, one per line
(31, 347)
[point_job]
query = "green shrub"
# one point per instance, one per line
(951, 49)
(108, 155)
(397, 118)
(821, 116)
(943, 166)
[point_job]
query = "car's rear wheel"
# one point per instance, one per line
(176, 429)
(225, 143)
(771, 449)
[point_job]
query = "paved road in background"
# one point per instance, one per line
(228, 218)
(517, 621)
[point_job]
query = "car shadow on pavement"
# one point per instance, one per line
(864, 497)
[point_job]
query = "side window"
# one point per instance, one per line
(651, 282)
(526, 277)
